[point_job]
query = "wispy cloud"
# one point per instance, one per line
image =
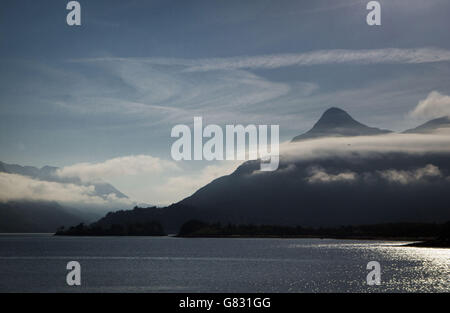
(145, 91)
(317, 57)
(322, 57)
(168, 90)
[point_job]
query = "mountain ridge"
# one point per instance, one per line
(48, 173)
(430, 126)
(329, 191)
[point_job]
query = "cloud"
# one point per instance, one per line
(143, 92)
(117, 167)
(413, 176)
(149, 179)
(322, 57)
(17, 187)
(317, 57)
(319, 175)
(433, 106)
(178, 187)
(128, 93)
(367, 145)
(164, 85)
(157, 92)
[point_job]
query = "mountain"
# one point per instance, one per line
(430, 126)
(170, 217)
(336, 122)
(45, 216)
(325, 192)
(334, 190)
(36, 217)
(48, 173)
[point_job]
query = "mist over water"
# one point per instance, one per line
(37, 263)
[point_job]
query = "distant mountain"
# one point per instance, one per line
(430, 126)
(336, 122)
(36, 217)
(48, 173)
(44, 216)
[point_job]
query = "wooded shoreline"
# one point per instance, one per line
(423, 234)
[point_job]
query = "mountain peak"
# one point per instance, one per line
(335, 117)
(334, 110)
(336, 122)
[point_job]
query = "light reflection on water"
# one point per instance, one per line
(405, 268)
(431, 267)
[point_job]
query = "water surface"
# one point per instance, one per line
(37, 263)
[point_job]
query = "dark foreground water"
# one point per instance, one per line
(37, 263)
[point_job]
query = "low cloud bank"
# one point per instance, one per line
(374, 146)
(14, 187)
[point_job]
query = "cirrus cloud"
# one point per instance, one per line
(316, 57)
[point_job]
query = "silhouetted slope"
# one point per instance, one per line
(336, 122)
(146, 228)
(170, 217)
(22, 216)
(430, 126)
(293, 196)
(290, 197)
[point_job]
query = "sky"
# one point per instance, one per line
(99, 100)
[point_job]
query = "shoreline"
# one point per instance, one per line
(417, 243)
(310, 237)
